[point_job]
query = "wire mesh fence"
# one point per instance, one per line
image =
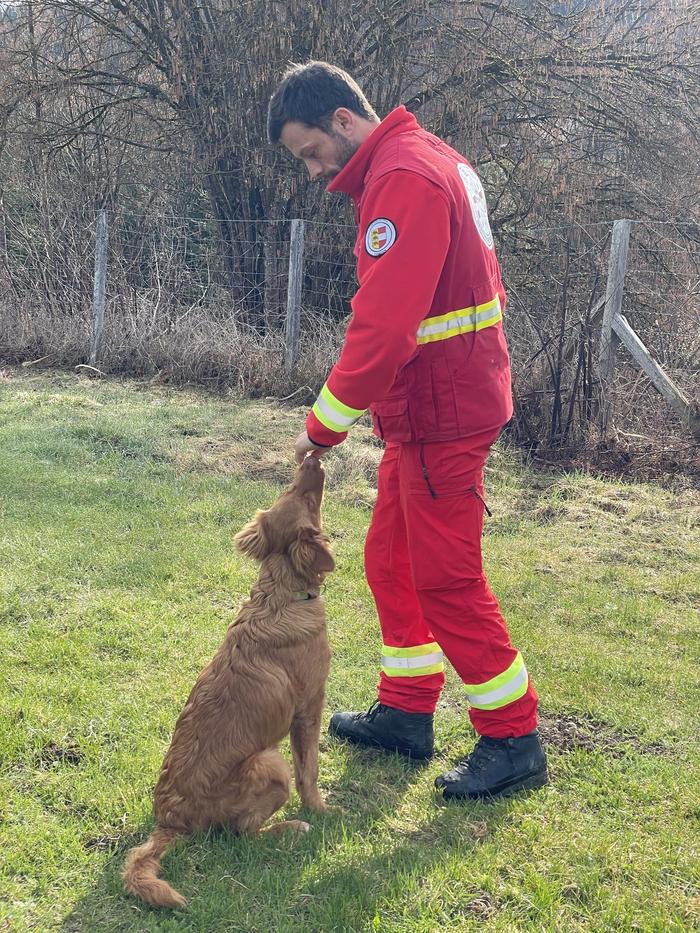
(662, 293)
(196, 299)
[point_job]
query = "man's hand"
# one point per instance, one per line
(304, 446)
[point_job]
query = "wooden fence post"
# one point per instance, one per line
(3, 232)
(613, 304)
(294, 286)
(98, 294)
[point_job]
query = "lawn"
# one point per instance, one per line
(118, 503)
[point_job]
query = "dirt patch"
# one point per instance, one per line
(567, 733)
(615, 508)
(482, 907)
(107, 843)
(53, 753)
(546, 514)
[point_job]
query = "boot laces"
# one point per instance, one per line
(372, 711)
(482, 756)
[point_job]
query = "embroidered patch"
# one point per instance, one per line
(380, 236)
(477, 202)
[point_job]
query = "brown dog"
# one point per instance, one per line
(266, 681)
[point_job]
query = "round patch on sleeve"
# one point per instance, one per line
(477, 202)
(380, 236)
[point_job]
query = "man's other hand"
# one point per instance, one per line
(304, 446)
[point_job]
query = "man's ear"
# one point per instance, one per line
(310, 553)
(343, 118)
(252, 540)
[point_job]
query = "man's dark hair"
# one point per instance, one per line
(311, 94)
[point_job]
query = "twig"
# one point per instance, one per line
(273, 398)
(34, 362)
(93, 369)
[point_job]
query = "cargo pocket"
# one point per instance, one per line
(391, 420)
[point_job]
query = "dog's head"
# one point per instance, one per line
(292, 527)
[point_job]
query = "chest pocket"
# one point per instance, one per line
(391, 420)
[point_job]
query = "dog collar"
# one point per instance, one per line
(302, 595)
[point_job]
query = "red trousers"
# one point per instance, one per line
(424, 567)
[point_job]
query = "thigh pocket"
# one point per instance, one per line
(445, 539)
(445, 470)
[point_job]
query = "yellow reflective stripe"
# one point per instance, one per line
(339, 407)
(411, 652)
(501, 690)
(414, 661)
(491, 305)
(414, 672)
(464, 321)
(333, 413)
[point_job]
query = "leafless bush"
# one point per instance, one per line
(574, 115)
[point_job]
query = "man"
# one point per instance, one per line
(425, 352)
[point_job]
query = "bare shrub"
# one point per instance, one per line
(573, 114)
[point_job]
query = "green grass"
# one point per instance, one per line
(118, 503)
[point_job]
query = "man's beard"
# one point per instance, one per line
(346, 150)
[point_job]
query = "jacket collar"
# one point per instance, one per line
(351, 178)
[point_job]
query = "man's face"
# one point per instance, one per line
(323, 154)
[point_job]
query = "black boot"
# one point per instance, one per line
(497, 768)
(409, 734)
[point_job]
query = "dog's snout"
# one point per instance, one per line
(312, 463)
(310, 475)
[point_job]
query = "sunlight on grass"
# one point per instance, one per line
(119, 502)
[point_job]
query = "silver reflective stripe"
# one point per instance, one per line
(482, 699)
(333, 414)
(421, 660)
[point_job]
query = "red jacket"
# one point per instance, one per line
(424, 349)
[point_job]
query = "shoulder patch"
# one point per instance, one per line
(477, 202)
(380, 236)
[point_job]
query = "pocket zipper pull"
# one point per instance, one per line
(479, 497)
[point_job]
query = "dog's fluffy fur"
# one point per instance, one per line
(266, 681)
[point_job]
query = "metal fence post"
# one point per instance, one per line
(294, 287)
(613, 304)
(3, 231)
(98, 293)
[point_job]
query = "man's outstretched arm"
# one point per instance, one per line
(405, 234)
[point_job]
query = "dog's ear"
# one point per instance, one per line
(253, 539)
(310, 553)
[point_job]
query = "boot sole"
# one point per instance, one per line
(373, 743)
(532, 782)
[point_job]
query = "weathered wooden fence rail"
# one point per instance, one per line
(617, 328)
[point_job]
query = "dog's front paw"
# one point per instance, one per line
(320, 806)
(287, 826)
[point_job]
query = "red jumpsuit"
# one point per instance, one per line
(425, 352)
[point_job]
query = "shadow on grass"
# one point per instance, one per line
(333, 878)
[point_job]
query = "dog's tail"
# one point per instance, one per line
(140, 872)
